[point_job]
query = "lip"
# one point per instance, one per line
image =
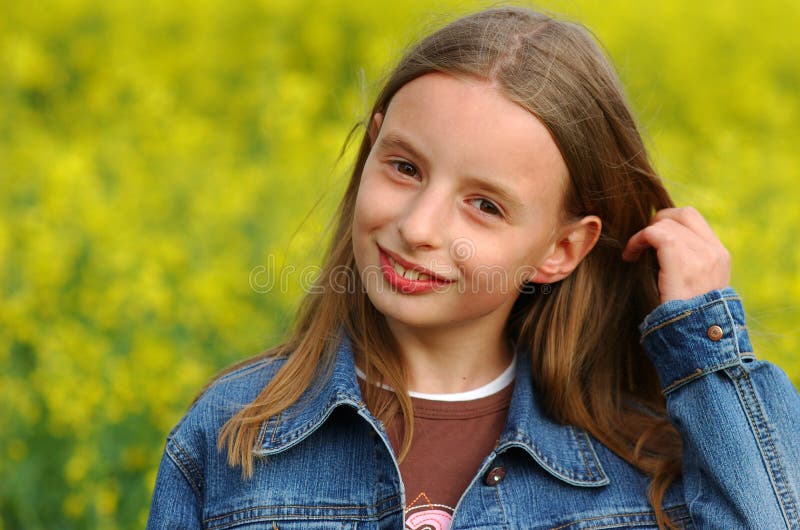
(404, 284)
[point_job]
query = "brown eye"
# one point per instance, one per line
(405, 168)
(488, 207)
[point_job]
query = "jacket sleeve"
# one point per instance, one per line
(738, 417)
(178, 492)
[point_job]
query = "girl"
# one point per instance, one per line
(514, 328)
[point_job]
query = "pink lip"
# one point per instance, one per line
(404, 284)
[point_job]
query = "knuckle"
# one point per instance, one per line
(662, 226)
(662, 214)
(690, 210)
(667, 236)
(687, 214)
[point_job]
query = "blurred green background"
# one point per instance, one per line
(156, 158)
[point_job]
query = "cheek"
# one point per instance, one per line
(364, 209)
(494, 269)
(375, 203)
(368, 217)
(360, 230)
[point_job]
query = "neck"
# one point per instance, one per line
(455, 359)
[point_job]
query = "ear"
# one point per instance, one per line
(375, 127)
(571, 244)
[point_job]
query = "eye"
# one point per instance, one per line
(406, 168)
(486, 206)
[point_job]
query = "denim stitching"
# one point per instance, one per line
(682, 381)
(189, 461)
(590, 452)
(553, 467)
(184, 471)
(500, 505)
(758, 423)
(255, 518)
(310, 506)
(657, 325)
(313, 424)
(583, 454)
(660, 325)
(584, 445)
(376, 516)
(711, 369)
(650, 518)
(733, 327)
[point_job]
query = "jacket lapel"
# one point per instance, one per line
(564, 451)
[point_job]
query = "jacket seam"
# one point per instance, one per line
(282, 441)
(195, 469)
(682, 381)
(577, 437)
(650, 515)
(657, 326)
(586, 448)
(586, 462)
(758, 423)
(700, 372)
(377, 515)
(178, 457)
(552, 467)
(688, 312)
(501, 507)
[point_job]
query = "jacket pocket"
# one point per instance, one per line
(619, 521)
(301, 525)
(300, 518)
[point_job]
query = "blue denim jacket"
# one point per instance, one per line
(326, 463)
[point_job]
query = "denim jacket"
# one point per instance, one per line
(326, 462)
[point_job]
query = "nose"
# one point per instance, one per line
(424, 220)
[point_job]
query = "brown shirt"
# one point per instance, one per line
(451, 439)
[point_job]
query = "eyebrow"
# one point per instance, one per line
(395, 141)
(512, 204)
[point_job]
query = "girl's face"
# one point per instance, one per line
(465, 184)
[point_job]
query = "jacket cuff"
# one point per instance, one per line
(687, 339)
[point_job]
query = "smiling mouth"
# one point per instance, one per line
(410, 271)
(409, 278)
(409, 274)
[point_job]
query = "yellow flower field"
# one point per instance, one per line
(168, 169)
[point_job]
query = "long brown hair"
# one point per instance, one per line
(587, 361)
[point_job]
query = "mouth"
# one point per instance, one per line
(410, 271)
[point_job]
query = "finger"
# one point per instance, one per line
(663, 233)
(690, 218)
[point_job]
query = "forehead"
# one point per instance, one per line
(468, 126)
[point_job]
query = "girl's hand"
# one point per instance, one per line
(692, 260)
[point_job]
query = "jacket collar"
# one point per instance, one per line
(564, 451)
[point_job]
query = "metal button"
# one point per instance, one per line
(714, 333)
(495, 476)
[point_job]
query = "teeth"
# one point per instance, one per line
(408, 274)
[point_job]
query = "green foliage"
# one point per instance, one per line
(154, 156)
